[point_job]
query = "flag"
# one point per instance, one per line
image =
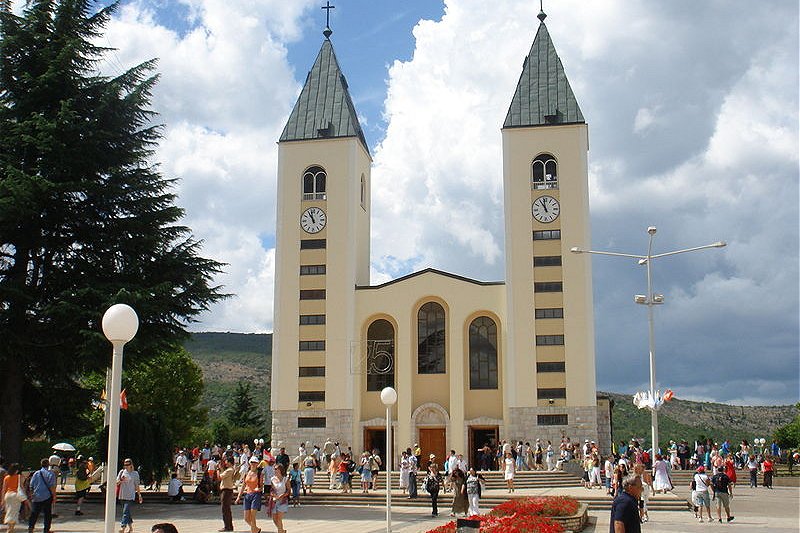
(123, 400)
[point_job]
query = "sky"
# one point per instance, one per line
(693, 122)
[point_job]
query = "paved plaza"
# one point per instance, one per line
(776, 510)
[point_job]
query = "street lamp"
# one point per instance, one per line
(389, 398)
(120, 324)
(650, 299)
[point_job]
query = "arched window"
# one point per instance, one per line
(314, 184)
(545, 172)
(430, 339)
(380, 355)
(483, 353)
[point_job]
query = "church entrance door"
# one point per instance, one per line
(478, 436)
(375, 439)
(432, 441)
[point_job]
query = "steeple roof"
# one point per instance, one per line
(543, 95)
(324, 109)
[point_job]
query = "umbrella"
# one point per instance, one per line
(64, 447)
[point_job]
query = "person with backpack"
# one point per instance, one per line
(375, 464)
(42, 495)
(82, 483)
(720, 484)
(432, 484)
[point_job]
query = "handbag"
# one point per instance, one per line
(22, 496)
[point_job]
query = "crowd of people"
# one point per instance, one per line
(274, 477)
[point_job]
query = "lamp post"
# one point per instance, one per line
(650, 300)
(389, 398)
(120, 324)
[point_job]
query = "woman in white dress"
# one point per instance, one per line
(405, 470)
(661, 481)
(509, 471)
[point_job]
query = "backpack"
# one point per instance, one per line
(82, 473)
(432, 484)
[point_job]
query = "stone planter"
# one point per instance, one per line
(575, 522)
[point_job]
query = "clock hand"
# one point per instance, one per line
(312, 217)
(544, 204)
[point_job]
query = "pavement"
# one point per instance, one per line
(776, 510)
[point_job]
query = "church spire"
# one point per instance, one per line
(324, 108)
(543, 95)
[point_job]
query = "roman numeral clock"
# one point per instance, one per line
(545, 209)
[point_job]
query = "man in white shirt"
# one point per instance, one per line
(461, 463)
(180, 463)
(175, 488)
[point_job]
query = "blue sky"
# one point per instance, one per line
(693, 121)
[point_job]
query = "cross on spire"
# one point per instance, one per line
(541, 16)
(327, 7)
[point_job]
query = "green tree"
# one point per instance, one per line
(242, 411)
(168, 386)
(86, 219)
(788, 436)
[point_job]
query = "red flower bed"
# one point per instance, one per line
(523, 515)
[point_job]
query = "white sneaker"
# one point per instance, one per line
(699, 518)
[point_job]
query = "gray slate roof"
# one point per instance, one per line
(543, 95)
(324, 108)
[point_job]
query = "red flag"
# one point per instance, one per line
(123, 400)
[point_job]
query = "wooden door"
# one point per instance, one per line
(432, 441)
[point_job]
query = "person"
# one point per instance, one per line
(309, 469)
(647, 490)
(251, 487)
(334, 479)
(625, 508)
(83, 482)
(175, 488)
(226, 486)
(474, 483)
(619, 474)
(432, 485)
(508, 473)
(661, 478)
(280, 497)
(164, 528)
(412, 476)
(375, 467)
(549, 455)
(405, 470)
(283, 459)
(608, 470)
(720, 485)
(346, 466)
(295, 482)
(702, 486)
(459, 484)
(11, 497)
(128, 491)
(752, 466)
(202, 493)
(64, 471)
(366, 473)
(767, 467)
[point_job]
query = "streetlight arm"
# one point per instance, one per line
(719, 244)
(577, 250)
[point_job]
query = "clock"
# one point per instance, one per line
(545, 209)
(313, 220)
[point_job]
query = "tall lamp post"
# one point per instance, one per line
(650, 300)
(120, 324)
(389, 398)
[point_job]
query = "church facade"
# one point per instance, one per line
(472, 361)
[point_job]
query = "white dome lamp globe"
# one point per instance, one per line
(389, 396)
(120, 323)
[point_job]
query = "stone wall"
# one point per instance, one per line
(604, 404)
(338, 427)
(581, 424)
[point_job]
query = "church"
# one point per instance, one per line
(472, 361)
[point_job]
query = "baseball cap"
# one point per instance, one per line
(701, 468)
(254, 459)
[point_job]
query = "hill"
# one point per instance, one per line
(227, 358)
(685, 419)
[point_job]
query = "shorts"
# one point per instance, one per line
(252, 501)
(703, 499)
(282, 506)
(81, 493)
(723, 500)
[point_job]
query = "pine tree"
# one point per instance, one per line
(242, 411)
(86, 219)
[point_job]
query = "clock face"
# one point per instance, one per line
(545, 209)
(313, 220)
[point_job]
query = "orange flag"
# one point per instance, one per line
(123, 400)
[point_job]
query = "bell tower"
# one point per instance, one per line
(322, 254)
(550, 368)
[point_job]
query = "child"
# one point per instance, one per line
(296, 479)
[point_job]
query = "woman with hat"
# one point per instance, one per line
(251, 487)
